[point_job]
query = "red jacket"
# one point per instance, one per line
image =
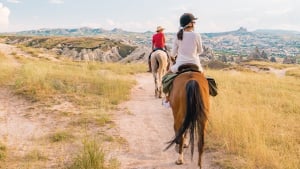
(158, 40)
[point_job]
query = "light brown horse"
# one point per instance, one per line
(189, 100)
(159, 64)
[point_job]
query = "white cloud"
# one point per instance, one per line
(56, 1)
(14, 1)
(136, 26)
(4, 14)
(278, 11)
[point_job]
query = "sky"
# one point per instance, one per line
(146, 15)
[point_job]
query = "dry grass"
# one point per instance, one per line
(261, 64)
(88, 84)
(7, 70)
(2, 152)
(256, 117)
(60, 136)
(294, 72)
(95, 88)
(93, 157)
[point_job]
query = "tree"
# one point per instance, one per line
(224, 58)
(264, 55)
(272, 59)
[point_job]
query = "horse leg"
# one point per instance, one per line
(159, 82)
(155, 82)
(179, 146)
(160, 93)
(200, 157)
(185, 140)
(200, 148)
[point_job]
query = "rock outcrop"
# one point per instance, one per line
(86, 48)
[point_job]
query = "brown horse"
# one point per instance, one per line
(189, 100)
(159, 64)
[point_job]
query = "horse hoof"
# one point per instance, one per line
(179, 162)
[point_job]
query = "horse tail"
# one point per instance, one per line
(195, 117)
(195, 114)
(157, 60)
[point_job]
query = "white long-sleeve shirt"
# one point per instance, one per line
(187, 50)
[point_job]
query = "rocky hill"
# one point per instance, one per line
(119, 45)
(84, 48)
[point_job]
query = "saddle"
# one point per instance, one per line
(188, 67)
(168, 79)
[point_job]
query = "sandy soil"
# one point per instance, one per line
(147, 126)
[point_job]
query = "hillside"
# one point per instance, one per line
(242, 42)
(82, 48)
(117, 45)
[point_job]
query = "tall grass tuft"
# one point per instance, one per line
(93, 157)
(7, 69)
(2, 151)
(256, 117)
(60, 136)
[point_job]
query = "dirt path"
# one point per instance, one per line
(147, 126)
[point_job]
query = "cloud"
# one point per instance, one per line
(4, 14)
(14, 1)
(56, 1)
(278, 11)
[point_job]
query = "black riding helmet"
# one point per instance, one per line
(186, 18)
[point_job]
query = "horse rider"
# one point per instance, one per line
(158, 43)
(187, 46)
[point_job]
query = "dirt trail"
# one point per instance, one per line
(147, 127)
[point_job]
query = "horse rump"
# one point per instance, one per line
(195, 118)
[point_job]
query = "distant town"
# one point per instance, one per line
(232, 44)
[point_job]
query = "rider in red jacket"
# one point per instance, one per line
(158, 43)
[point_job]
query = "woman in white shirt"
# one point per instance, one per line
(187, 44)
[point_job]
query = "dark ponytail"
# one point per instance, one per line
(180, 34)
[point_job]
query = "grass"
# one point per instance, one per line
(261, 64)
(95, 88)
(35, 155)
(32, 51)
(2, 151)
(93, 157)
(7, 70)
(256, 118)
(294, 72)
(60, 136)
(92, 84)
(27, 43)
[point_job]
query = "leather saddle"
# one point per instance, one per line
(188, 67)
